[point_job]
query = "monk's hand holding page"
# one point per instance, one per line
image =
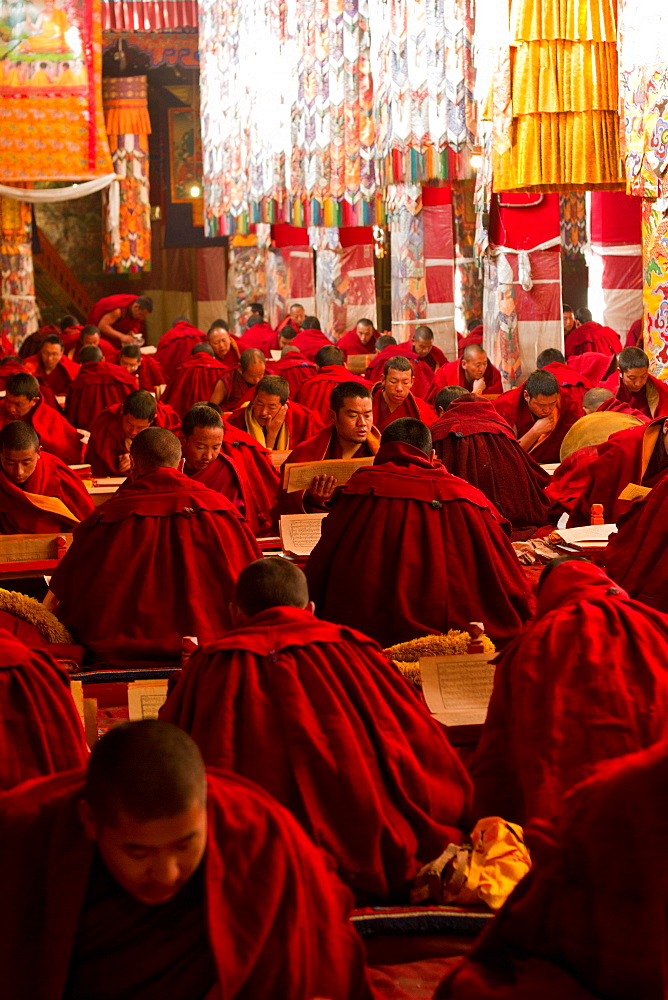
(322, 489)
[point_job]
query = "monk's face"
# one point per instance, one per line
(18, 407)
(283, 341)
(91, 340)
(132, 426)
(635, 379)
(265, 407)
(422, 347)
(19, 465)
(50, 355)
(569, 321)
(219, 341)
(137, 312)
(475, 367)
(297, 316)
(131, 365)
(354, 420)
(364, 332)
(397, 385)
(254, 372)
(541, 406)
(203, 446)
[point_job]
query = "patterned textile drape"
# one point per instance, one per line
(246, 280)
(407, 266)
(468, 295)
(19, 315)
(572, 223)
(290, 278)
(345, 289)
(655, 267)
(127, 205)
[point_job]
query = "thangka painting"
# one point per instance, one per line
(185, 146)
(51, 123)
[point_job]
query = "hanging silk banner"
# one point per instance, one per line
(655, 301)
(19, 315)
(51, 125)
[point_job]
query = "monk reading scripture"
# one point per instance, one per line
(195, 380)
(98, 386)
(410, 550)
(120, 318)
(52, 366)
(176, 344)
(145, 370)
(634, 385)
(337, 736)
(294, 367)
(315, 393)
(539, 414)
(393, 398)
(237, 386)
(149, 877)
(273, 419)
(112, 433)
(635, 556)
(180, 547)
(473, 371)
(361, 340)
(23, 401)
(224, 347)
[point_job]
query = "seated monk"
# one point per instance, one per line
(411, 550)
(259, 335)
(338, 737)
(635, 336)
(39, 494)
(32, 343)
(294, 367)
(393, 398)
(422, 344)
(540, 415)
(175, 346)
(52, 367)
(315, 392)
(148, 876)
(296, 317)
(310, 338)
(196, 379)
(591, 336)
(120, 318)
(222, 343)
(638, 455)
(472, 371)
(635, 386)
(9, 366)
(586, 681)
(86, 336)
(361, 340)
(277, 422)
(237, 386)
(575, 928)
(476, 444)
(635, 556)
(573, 383)
(423, 375)
(40, 728)
(600, 400)
(595, 367)
(232, 463)
(23, 401)
(98, 386)
(179, 547)
(351, 434)
(374, 371)
(112, 433)
(145, 370)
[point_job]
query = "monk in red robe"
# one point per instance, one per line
(277, 422)
(422, 344)
(120, 318)
(634, 385)
(315, 393)
(595, 367)
(34, 341)
(540, 415)
(112, 433)
(561, 703)
(296, 317)
(423, 381)
(23, 401)
(233, 463)
(350, 434)
(384, 345)
(52, 367)
(635, 556)
(237, 386)
(591, 336)
(337, 736)
(294, 367)
(476, 444)
(145, 370)
(194, 381)
(40, 728)
(148, 877)
(222, 343)
(410, 550)
(634, 337)
(175, 346)
(9, 366)
(393, 397)
(361, 340)
(260, 336)
(472, 371)
(86, 336)
(181, 547)
(310, 338)
(576, 928)
(600, 400)
(98, 386)
(39, 494)
(573, 383)
(474, 335)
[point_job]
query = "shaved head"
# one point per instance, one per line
(329, 356)
(141, 405)
(385, 340)
(448, 395)
(202, 349)
(89, 354)
(19, 436)
(270, 583)
(423, 333)
(155, 448)
(549, 356)
(22, 384)
(408, 431)
(249, 357)
(593, 398)
(472, 351)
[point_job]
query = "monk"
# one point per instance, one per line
(476, 444)
(575, 928)
(539, 414)
(273, 419)
(148, 876)
(350, 434)
(175, 346)
(86, 336)
(595, 367)
(237, 386)
(635, 336)
(310, 338)
(10, 366)
(296, 317)
(225, 348)
(315, 393)
(40, 728)
(568, 319)
(120, 318)
(195, 380)
(145, 370)
(411, 550)
(233, 463)
(393, 398)
(591, 336)
(115, 429)
(561, 703)
(23, 401)
(422, 344)
(294, 367)
(374, 372)
(65, 326)
(178, 547)
(361, 340)
(52, 366)
(573, 383)
(39, 494)
(472, 371)
(636, 387)
(600, 400)
(337, 737)
(261, 336)
(98, 386)
(635, 556)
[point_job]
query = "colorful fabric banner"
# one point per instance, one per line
(655, 292)
(290, 278)
(246, 279)
(409, 285)
(51, 125)
(345, 288)
(616, 240)
(573, 223)
(149, 15)
(19, 316)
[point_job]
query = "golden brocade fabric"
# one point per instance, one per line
(549, 77)
(576, 20)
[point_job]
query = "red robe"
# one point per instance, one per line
(175, 346)
(474, 337)
(634, 337)
(579, 927)
(238, 391)
(350, 343)
(652, 404)
(98, 386)
(635, 556)
(149, 374)
(9, 367)
(157, 561)
(301, 423)
(40, 728)
(261, 337)
(453, 374)
(193, 382)
(60, 379)
(276, 921)
(410, 550)
(614, 405)
(514, 408)
(126, 323)
(476, 444)
(315, 393)
(56, 435)
(6, 346)
(295, 368)
(34, 341)
(570, 478)
(435, 358)
(412, 406)
(107, 441)
(51, 478)
(592, 366)
(309, 342)
(324, 444)
(424, 375)
(73, 346)
(592, 337)
(316, 715)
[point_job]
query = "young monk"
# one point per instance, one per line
(422, 344)
(145, 370)
(540, 414)
(52, 366)
(98, 385)
(237, 386)
(633, 384)
(24, 401)
(361, 340)
(393, 398)
(113, 432)
(196, 379)
(273, 419)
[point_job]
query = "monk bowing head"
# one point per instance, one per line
(423, 341)
(203, 432)
(328, 356)
(365, 330)
(138, 413)
(448, 395)
(269, 583)
(141, 307)
(218, 337)
(154, 448)
(397, 380)
(89, 336)
(21, 395)
(541, 392)
(633, 368)
(90, 354)
(252, 365)
(19, 451)
(130, 358)
(407, 430)
(144, 806)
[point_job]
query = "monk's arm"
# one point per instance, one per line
(106, 327)
(219, 393)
